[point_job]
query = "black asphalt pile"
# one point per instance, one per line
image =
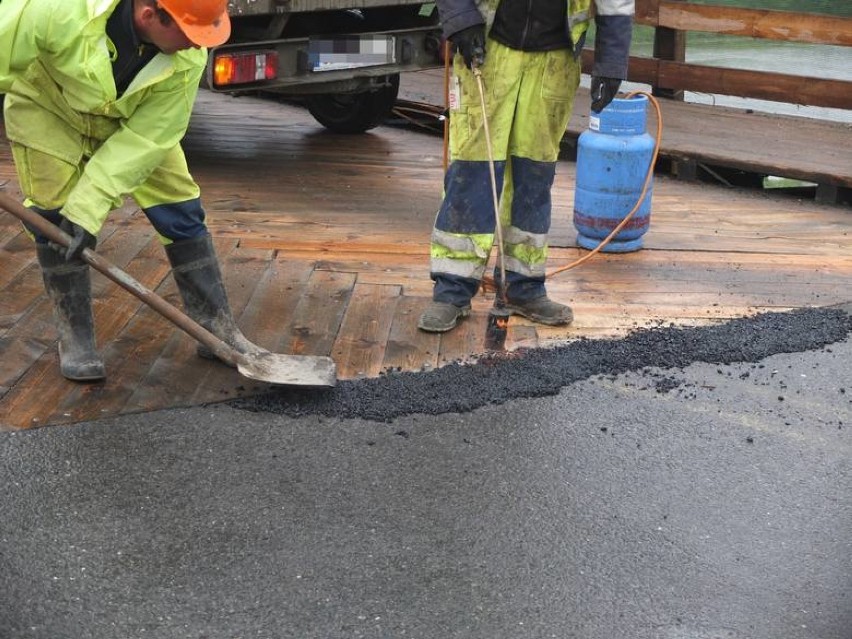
(495, 379)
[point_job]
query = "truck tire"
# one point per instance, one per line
(354, 112)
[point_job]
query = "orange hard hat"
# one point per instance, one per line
(204, 22)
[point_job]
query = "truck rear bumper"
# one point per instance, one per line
(340, 63)
(270, 7)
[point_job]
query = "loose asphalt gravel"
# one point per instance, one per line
(499, 378)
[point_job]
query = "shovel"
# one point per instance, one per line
(273, 368)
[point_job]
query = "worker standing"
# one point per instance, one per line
(99, 96)
(528, 53)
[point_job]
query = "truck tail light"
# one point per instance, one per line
(244, 68)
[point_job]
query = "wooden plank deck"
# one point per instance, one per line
(324, 243)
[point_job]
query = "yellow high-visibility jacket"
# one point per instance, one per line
(55, 67)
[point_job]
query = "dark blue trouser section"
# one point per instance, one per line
(453, 289)
(459, 290)
(531, 203)
(179, 220)
(468, 208)
(523, 288)
(468, 204)
(531, 211)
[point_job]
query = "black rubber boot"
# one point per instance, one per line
(199, 280)
(69, 286)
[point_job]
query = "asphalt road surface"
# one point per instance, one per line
(679, 484)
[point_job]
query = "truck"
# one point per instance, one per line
(342, 58)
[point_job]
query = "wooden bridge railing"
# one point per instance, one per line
(669, 74)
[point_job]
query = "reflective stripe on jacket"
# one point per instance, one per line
(61, 99)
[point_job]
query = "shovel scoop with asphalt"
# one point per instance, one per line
(264, 366)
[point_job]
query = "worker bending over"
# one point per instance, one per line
(99, 95)
(529, 56)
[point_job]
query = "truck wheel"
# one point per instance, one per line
(354, 112)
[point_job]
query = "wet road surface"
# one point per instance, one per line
(707, 498)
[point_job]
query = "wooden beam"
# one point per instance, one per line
(755, 84)
(788, 26)
(742, 83)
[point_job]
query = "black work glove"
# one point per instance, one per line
(603, 91)
(470, 43)
(81, 239)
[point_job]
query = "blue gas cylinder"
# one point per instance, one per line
(612, 161)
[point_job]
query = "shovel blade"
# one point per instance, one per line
(289, 370)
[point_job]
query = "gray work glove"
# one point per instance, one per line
(81, 239)
(603, 91)
(470, 43)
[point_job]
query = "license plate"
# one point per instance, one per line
(350, 52)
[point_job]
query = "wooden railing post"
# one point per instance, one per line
(669, 44)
